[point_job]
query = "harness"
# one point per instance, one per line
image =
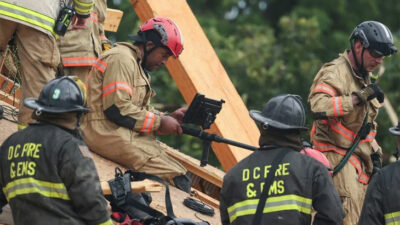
(136, 206)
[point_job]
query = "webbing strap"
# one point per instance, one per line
(138, 176)
(360, 134)
(268, 181)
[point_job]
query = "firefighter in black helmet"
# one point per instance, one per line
(46, 172)
(382, 201)
(374, 37)
(300, 183)
(344, 102)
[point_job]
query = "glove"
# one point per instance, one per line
(370, 92)
(376, 162)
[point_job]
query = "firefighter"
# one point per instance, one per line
(80, 48)
(32, 23)
(382, 201)
(344, 103)
(46, 172)
(122, 124)
(300, 183)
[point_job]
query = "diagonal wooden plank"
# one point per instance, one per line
(198, 69)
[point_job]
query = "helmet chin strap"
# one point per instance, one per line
(147, 53)
(360, 68)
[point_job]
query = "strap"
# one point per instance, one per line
(138, 176)
(268, 181)
(362, 133)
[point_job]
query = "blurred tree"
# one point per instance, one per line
(269, 47)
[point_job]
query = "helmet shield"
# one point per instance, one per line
(282, 112)
(376, 36)
(60, 95)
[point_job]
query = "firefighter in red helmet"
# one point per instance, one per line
(122, 124)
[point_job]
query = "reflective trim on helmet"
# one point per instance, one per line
(114, 86)
(326, 147)
(273, 204)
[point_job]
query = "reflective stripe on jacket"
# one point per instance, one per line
(337, 121)
(82, 47)
(300, 184)
(48, 177)
(121, 93)
(382, 200)
(40, 15)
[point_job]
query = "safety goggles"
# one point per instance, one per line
(375, 54)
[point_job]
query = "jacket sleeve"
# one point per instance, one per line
(223, 209)
(78, 172)
(3, 200)
(118, 93)
(83, 7)
(326, 200)
(327, 99)
(372, 211)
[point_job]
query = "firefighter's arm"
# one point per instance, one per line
(83, 8)
(326, 98)
(119, 95)
(3, 200)
(105, 43)
(372, 211)
(80, 177)
(325, 199)
(223, 208)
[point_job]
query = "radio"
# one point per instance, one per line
(64, 20)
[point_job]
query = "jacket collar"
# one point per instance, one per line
(363, 81)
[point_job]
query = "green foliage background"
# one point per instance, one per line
(269, 47)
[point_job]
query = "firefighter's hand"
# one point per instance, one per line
(169, 125)
(78, 23)
(370, 92)
(179, 114)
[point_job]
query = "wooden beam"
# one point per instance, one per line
(208, 173)
(136, 187)
(113, 18)
(198, 69)
(205, 198)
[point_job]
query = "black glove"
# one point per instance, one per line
(376, 162)
(370, 92)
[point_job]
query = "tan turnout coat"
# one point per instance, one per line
(336, 125)
(122, 123)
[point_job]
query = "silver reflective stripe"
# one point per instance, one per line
(274, 204)
(30, 186)
(27, 15)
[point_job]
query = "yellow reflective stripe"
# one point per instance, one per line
(27, 15)
(273, 204)
(82, 7)
(83, 3)
(21, 126)
(30, 185)
(392, 218)
(108, 222)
